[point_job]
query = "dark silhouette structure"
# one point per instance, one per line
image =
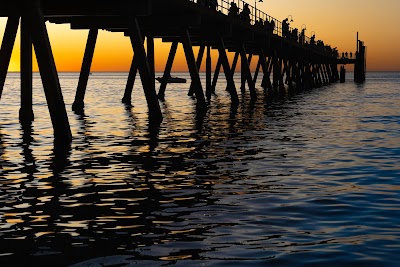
(295, 66)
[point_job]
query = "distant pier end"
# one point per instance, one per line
(359, 62)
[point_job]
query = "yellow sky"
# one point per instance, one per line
(334, 21)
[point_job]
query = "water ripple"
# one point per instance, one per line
(309, 180)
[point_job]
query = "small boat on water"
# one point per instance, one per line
(172, 79)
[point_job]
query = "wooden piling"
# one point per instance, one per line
(48, 72)
(360, 64)
(199, 60)
(26, 115)
(78, 104)
(342, 74)
(150, 54)
(194, 72)
(228, 71)
(7, 46)
(233, 67)
(247, 72)
(155, 115)
(167, 70)
(216, 74)
(257, 71)
(208, 72)
(127, 98)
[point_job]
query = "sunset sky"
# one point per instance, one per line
(334, 21)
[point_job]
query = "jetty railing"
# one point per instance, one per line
(256, 14)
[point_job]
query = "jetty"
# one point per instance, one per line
(288, 60)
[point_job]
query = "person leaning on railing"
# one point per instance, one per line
(312, 40)
(245, 14)
(269, 26)
(285, 28)
(233, 10)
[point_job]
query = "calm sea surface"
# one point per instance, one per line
(309, 180)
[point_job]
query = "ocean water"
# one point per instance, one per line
(306, 180)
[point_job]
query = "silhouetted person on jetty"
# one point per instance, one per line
(269, 26)
(285, 28)
(312, 40)
(335, 52)
(272, 26)
(295, 35)
(302, 36)
(245, 14)
(233, 10)
(259, 23)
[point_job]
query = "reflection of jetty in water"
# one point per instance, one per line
(152, 189)
(296, 64)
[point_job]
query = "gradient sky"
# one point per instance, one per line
(334, 21)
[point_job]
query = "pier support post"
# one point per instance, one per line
(257, 71)
(216, 74)
(266, 82)
(208, 73)
(282, 69)
(289, 77)
(150, 55)
(234, 62)
(167, 71)
(243, 72)
(329, 71)
(299, 82)
(78, 104)
(231, 88)
(247, 72)
(276, 73)
(155, 115)
(360, 64)
(342, 74)
(26, 113)
(7, 46)
(194, 71)
(199, 60)
(48, 72)
(321, 74)
(233, 67)
(127, 98)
